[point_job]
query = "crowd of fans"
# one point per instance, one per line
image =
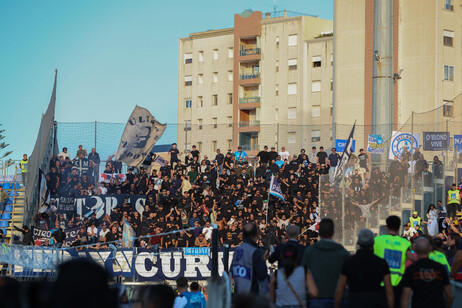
(228, 189)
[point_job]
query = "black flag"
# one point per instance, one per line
(338, 175)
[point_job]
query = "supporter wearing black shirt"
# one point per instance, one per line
(220, 158)
(113, 235)
(195, 153)
(173, 154)
(273, 155)
(130, 176)
(264, 156)
(321, 156)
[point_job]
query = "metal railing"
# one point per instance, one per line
(251, 123)
(250, 51)
(249, 76)
(252, 99)
(250, 147)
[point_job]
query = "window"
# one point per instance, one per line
(449, 73)
(230, 121)
(316, 111)
(449, 5)
(277, 41)
(187, 80)
(215, 77)
(199, 146)
(229, 143)
(187, 58)
(331, 59)
(448, 39)
(214, 122)
(215, 54)
(200, 101)
(331, 85)
(293, 40)
(200, 78)
(201, 56)
(315, 135)
(291, 137)
(292, 89)
(230, 76)
(276, 115)
(277, 66)
(230, 99)
(214, 100)
(277, 90)
(188, 103)
(214, 146)
(330, 112)
(187, 125)
(316, 86)
(448, 108)
(292, 64)
(199, 122)
(317, 61)
(330, 134)
(292, 113)
(230, 52)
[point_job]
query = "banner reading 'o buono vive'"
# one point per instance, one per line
(142, 264)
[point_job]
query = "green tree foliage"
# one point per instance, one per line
(3, 152)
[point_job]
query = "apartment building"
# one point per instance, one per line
(426, 59)
(265, 81)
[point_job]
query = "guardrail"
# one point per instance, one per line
(249, 76)
(253, 99)
(249, 123)
(250, 51)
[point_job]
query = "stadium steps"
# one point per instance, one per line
(14, 211)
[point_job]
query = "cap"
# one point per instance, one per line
(414, 213)
(365, 238)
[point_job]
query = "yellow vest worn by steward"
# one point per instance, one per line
(393, 249)
(453, 196)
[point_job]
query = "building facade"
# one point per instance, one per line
(266, 81)
(425, 61)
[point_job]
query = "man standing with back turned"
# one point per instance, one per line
(248, 267)
(395, 250)
(325, 260)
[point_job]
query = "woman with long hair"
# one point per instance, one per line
(432, 215)
(289, 286)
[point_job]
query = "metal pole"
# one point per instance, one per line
(95, 135)
(277, 133)
(412, 166)
(215, 252)
(226, 258)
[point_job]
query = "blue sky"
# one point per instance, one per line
(111, 55)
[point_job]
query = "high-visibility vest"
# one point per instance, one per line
(439, 257)
(415, 221)
(393, 249)
(24, 165)
(453, 196)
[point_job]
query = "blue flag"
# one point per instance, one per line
(275, 189)
(127, 234)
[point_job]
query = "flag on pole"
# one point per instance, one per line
(275, 189)
(315, 227)
(140, 135)
(338, 175)
(160, 160)
(44, 193)
(127, 234)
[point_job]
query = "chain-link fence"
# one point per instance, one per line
(374, 185)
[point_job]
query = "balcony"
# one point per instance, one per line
(250, 147)
(246, 100)
(249, 76)
(251, 123)
(250, 51)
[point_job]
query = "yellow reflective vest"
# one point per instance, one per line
(453, 196)
(393, 249)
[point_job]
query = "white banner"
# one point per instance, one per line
(401, 140)
(140, 135)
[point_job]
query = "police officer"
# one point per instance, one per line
(248, 267)
(395, 250)
(24, 166)
(453, 201)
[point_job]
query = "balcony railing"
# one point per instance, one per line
(251, 123)
(253, 99)
(250, 147)
(250, 51)
(249, 76)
